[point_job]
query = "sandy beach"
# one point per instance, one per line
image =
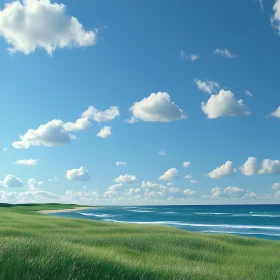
(63, 210)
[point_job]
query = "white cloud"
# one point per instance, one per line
(170, 174)
(33, 184)
(156, 108)
(112, 190)
(11, 181)
(186, 164)
(28, 162)
(224, 104)
(101, 116)
(51, 134)
(126, 179)
(233, 190)
(230, 193)
(84, 187)
(162, 153)
(249, 93)
(119, 163)
(261, 4)
(79, 197)
(55, 178)
(224, 53)
(174, 190)
(104, 132)
(188, 176)
(226, 169)
(190, 193)
(276, 186)
(207, 86)
(80, 174)
(191, 57)
(275, 19)
(193, 181)
(32, 24)
(216, 192)
(276, 113)
(250, 167)
(80, 124)
(150, 185)
(270, 166)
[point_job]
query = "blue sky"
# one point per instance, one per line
(57, 61)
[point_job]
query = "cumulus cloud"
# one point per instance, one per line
(11, 181)
(224, 104)
(126, 179)
(224, 53)
(80, 124)
(230, 193)
(207, 86)
(33, 184)
(101, 116)
(188, 176)
(156, 108)
(250, 167)
(30, 24)
(226, 169)
(104, 132)
(191, 57)
(51, 134)
(186, 164)
(174, 190)
(170, 174)
(28, 162)
(275, 19)
(119, 163)
(80, 174)
(276, 113)
(112, 190)
(162, 153)
(190, 193)
(270, 166)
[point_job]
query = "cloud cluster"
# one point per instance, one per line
(191, 57)
(101, 116)
(126, 179)
(224, 104)
(226, 169)
(275, 19)
(267, 167)
(156, 108)
(30, 24)
(80, 174)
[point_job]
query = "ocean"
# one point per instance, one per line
(261, 221)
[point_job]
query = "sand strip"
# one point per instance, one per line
(63, 210)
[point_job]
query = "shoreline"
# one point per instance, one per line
(63, 210)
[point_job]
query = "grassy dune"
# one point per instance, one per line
(35, 246)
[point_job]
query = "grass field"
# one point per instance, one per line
(35, 246)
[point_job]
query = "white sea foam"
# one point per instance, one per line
(245, 233)
(208, 213)
(98, 215)
(140, 211)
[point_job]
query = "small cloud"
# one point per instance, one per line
(80, 174)
(249, 93)
(101, 116)
(55, 178)
(193, 181)
(207, 86)
(84, 187)
(170, 174)
(188, 176)
(186, 164)
(226, 169)
(119, 163)
(33, 184)
(162, 153)
(261, 4)
(275, 114)
(224, 53)
(28, 162)
(126, 179)
(104, 132)
(191, 57)
(190, 193)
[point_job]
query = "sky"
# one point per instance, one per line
(140, 102)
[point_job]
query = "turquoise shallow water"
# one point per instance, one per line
(262, 221)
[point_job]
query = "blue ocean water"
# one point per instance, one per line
(261, 221)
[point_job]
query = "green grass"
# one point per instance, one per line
(35, 246)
